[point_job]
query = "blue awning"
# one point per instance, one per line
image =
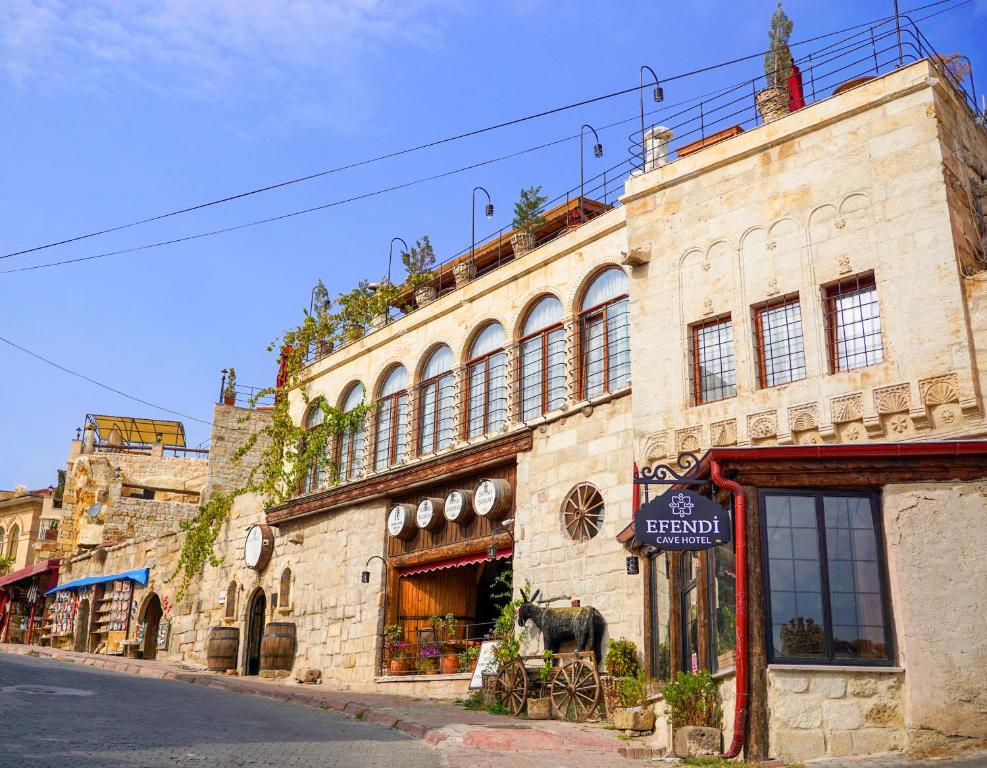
(138, 574)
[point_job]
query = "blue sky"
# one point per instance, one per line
(118, 110)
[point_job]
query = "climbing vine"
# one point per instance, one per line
(287, 450)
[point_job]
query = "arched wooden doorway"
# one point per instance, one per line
(82, 627)
(256, 610)
(151, 615)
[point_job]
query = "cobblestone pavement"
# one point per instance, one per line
(971, 760)
(59, 715)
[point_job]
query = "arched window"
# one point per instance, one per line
(15, 535)
(604, 343)
(391, 440)
(1, 540)
(542, 364)
(436, 402)
(487, 382)
(349, 456)
(315, 473)
(284, 598)
(231, 593)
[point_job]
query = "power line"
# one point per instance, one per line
(107, 387)
(435, 143)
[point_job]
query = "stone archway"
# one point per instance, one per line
(150, 615)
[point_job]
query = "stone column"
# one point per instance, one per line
(571, 326)
(512, 381)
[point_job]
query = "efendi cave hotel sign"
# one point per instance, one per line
(682, 520)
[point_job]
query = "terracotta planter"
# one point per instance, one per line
(425, 295)
(400, 666)
(696, 741)
(772, 102)
(522, 242)
(450, 664)
(463, 272)
(229, 400)
(540, 709)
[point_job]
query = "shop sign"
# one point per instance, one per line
(682, 520)
(258, 547)
(459, 507)
(486, 662)
(400, 524)
(429, 514)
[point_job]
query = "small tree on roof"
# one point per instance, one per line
(778, 59)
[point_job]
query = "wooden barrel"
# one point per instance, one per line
(222, 648)
(277, 647)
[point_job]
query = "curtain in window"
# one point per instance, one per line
(315, 474)
(605, 338)
(391, 445)
(487, 374)
(352, 440)
(542, 359)
(437, 396)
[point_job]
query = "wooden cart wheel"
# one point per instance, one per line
(575, 691)
(512, 686)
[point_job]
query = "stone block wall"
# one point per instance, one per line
(589, 445)
(128, 518)
(231, 427)
(814, 713)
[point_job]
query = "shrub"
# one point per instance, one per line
(527, 210)
(692, 700)
(778, 59)
(621, 658)
(630, 690)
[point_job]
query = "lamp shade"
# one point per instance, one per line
(633, 566)
(659, 93)
(489, 210)
(597, 150)
(365, 577)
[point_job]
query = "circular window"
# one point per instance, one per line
(582, 512)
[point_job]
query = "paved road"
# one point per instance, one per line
(59, 715)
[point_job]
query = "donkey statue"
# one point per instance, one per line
(583, 625)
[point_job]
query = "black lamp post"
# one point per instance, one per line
(365, 579)
(659, 95)
(597, 152)
(390, 255)
(489, 210)
(492, 547)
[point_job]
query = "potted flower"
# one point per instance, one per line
(397, 649)
(694, 713)
(539, 702)
(772, 101)
(445, 633)
(229, 391)
(418, 261)
(428, 659)
(632, 713)
(468, 658)
(527, 219)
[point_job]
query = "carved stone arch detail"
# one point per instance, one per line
(940, 390)
(420, 365)
(689, 252)
(847, 408)
(720, 241)
(526, 305)
(655, 445)
(848, 205)
(893, 399)
(818, 215)
(802, 418)
(762, 425)
(689, 439)
(571, 303)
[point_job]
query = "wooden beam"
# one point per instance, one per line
(757, 700)
(449, 551)
(466, 461)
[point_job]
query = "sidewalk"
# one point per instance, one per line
(466, 739)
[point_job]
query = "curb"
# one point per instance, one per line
(328, 700)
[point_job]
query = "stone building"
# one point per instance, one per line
(801, 305)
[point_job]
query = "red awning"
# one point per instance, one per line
(456, 562)
(32, 570)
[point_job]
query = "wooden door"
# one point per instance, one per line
(437, 593)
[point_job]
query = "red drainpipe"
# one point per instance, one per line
(740, 541)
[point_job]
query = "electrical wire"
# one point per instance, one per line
(107, 387)
(434, 143)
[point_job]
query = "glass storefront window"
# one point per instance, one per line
(723, 595)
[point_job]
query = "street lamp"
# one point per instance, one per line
(365, 579)
(597, 152)
(492, 548)
(659, 95)
(390, 254)
(489, 210)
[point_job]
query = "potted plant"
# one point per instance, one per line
(527, 219)
(772, 101)
(445, 633)
(468, 658)
(385, 295)
(539, 702)
(355, 310)
(418, 261)
(229, 391)
(694, 713)
(428, 659)
(620, 662)
(632, 712)
(397, 649)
